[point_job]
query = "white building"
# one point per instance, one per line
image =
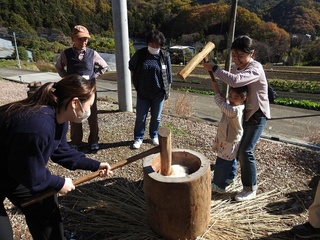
(110, 60)
(6, 49)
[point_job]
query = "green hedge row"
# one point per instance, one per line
(295, 86)
(306, 104)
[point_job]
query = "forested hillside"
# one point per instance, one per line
(294, 16)
(31, 16)
(260, 7)
(281, 28)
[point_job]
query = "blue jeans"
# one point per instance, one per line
(143, 105)
(253, 129)
(223, 170)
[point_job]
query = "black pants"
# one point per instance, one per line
(43, 217)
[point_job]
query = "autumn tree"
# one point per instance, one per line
(273, 36)
(296, 16)
(247, 22)
(312, 53)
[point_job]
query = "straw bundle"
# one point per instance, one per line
(115, 209)
(184, 105)
(112, 209)
(245, 220)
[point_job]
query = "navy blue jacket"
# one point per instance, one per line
(151, 74)
(28, 142)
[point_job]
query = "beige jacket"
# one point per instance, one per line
(230, 126)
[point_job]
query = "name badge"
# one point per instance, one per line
(86, 77)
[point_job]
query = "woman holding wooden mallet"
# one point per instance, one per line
(247, 72)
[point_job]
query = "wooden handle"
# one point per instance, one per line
(196, 60)
(93, 175)
(206, 59)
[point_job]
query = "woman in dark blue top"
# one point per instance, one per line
(151, 76)
(33, 131)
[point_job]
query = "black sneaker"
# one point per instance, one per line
(94, 146)
(74, 146)
(306, 231)
(70, 235)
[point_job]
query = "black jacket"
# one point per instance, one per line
(135, 66)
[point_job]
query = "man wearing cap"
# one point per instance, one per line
(89, 64)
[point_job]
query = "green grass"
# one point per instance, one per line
(296, 86)
(205, 92)
(184, 81)
(306, 104)
(174, 130)
(14, 64)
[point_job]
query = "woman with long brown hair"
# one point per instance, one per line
(33, 131)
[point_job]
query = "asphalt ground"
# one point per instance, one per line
(288, 124)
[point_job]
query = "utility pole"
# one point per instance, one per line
(233, 18)
(121, 35)
(17, 53)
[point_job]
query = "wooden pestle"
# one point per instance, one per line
(164, 135)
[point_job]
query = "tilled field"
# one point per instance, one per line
(199, 79)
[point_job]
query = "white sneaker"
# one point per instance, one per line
(215, 188)
(137, 143)
(245, 195)
(155, 141)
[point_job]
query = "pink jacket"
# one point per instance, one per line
(254, 77)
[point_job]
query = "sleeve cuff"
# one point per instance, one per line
(214, 68)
